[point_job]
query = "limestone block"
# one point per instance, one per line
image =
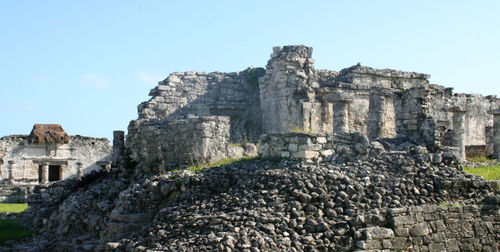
(377, 233)
(236, 152)
(321, 140)
(419, 229)
(327, 153)
(292, 147)
(306, 154)
(285, 154)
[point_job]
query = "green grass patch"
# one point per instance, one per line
(301, 130)
(226, 161)
(13, 207)
(487, 172)
(236, 144)
(449, 204)
(481, 159)
(12, 230)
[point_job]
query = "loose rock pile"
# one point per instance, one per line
(259, 205)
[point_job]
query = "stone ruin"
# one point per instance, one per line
(47, 155)
(367, 158)
(198, 117)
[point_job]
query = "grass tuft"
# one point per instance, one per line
(236, 144)
(226, 161)
(301, 130)
(13, 207)
(449, 204)
(481, 159)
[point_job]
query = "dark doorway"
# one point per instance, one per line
(40, 169)
(54, 173)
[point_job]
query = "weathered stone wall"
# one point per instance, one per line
(477, 119)
(287, 95)
(187, 141)
(423, 113)
(314, 146)
(433, 228)
(291, 96)
(235, 95)
(372, 108)
(14, 193)
(90, 152)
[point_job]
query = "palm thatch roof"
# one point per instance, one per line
(48, 134)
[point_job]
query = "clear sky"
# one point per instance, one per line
(87, 64)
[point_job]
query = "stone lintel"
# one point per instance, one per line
(340, 97)
(457, 109)
(43, 161)
(381, 91)
(494, 111)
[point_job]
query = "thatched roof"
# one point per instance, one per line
(48, 133)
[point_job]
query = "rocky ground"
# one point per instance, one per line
(257, 205)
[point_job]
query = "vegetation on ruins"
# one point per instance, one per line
(225, 161)
(298, 129)
(253, 76)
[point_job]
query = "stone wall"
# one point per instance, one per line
(477, 119)
(433, 228)
(315, 146)
(235, 95)
(423, 114)
(287, 95)
(187, 141)
(88, 153)
(14, 193)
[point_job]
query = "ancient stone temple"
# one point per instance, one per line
(194, 116)
(46, 155)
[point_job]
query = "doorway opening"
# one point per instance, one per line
(54, 173)
(40, 170)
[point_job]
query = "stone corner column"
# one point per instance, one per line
(79, 169)
(459, 130)
(45, 173)
(496, 132)
(11, 170)
(376, 112)
(340, 111)
(118, 146)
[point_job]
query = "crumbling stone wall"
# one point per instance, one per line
(423, 114)
(434, 228)
(477, 119)
(289, 95)
(187, 141)
(186, 94)
(314, 146)
(287, 92)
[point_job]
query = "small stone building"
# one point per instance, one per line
(49, 154)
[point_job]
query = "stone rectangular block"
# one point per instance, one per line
(306, 154)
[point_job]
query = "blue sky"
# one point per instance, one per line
(87, 64)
